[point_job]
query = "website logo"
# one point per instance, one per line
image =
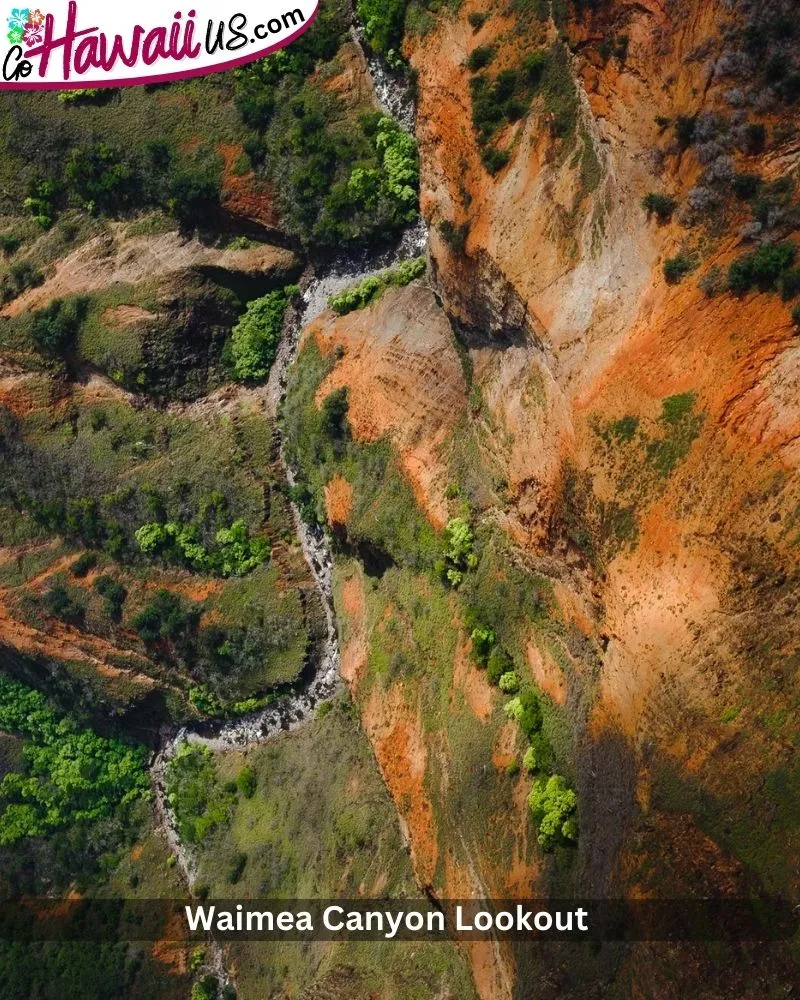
(90, 44)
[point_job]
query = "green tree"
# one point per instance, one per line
(553, 806)
(255, 338)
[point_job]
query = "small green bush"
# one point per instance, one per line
(113, 594)
(371, 288)
(333, 415)
(454, 236)
(755, 137)
(21, 275)
(529, 760)
(255, 338)
(483, 640)
(662, 205)
(84, 562)
(459, 551)
(477, 19)
(494, 159)
(480, 58)
(676, 268)
(509, 682)
(498, 664)
(553, 806)
(9, 244)
(206, 988)
(55, 327)
(789, 283)
(761, 269)
(64, 604)
(745, 186)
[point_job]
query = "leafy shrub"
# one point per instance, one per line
(526, 710)
(762, 268)
(84, 562)
(677, 267)
(529, 760)
(494, 159)
(755, 138)
(483, 640)
(454, 236)
(71, 775)
(789, 283)
(499, 663)
(371, 288)
(64, 604)
(459, 551)
(509, 682)
(41, 201)
(165, 617)
(333, 415)
(234, 551)
(113, 594)
(206, 988)
(255, 338)
(195, 794)
(55, 327)
(480, 58)
(194, 194)
(553, 806)
(477, 19)
(745, 186)
(383, 23)
(21, 275)
(103, 178)
(246, 782)
(9, 244)
(661, 204)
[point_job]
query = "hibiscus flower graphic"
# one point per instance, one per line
(18, 19)
(33, 34)
(35, 17)
(15, 35)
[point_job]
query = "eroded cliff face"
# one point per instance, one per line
(636, 439)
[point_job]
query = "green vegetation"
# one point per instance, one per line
(255, 338)
(165, 617)
(553, 807)
(477, 19)
(200, 802)
(369, 289)
(383, 22)
(71, 775)
(459, 551)
(676, 268)
(234, 553)
(762, 269)
(661, 205)
(507, 98)
(480, 58)
(343, 175)
(55, 327)
(385, 522)
(681, 427)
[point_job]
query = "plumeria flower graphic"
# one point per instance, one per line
(33, 34)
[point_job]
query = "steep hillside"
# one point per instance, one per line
(618, 279)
